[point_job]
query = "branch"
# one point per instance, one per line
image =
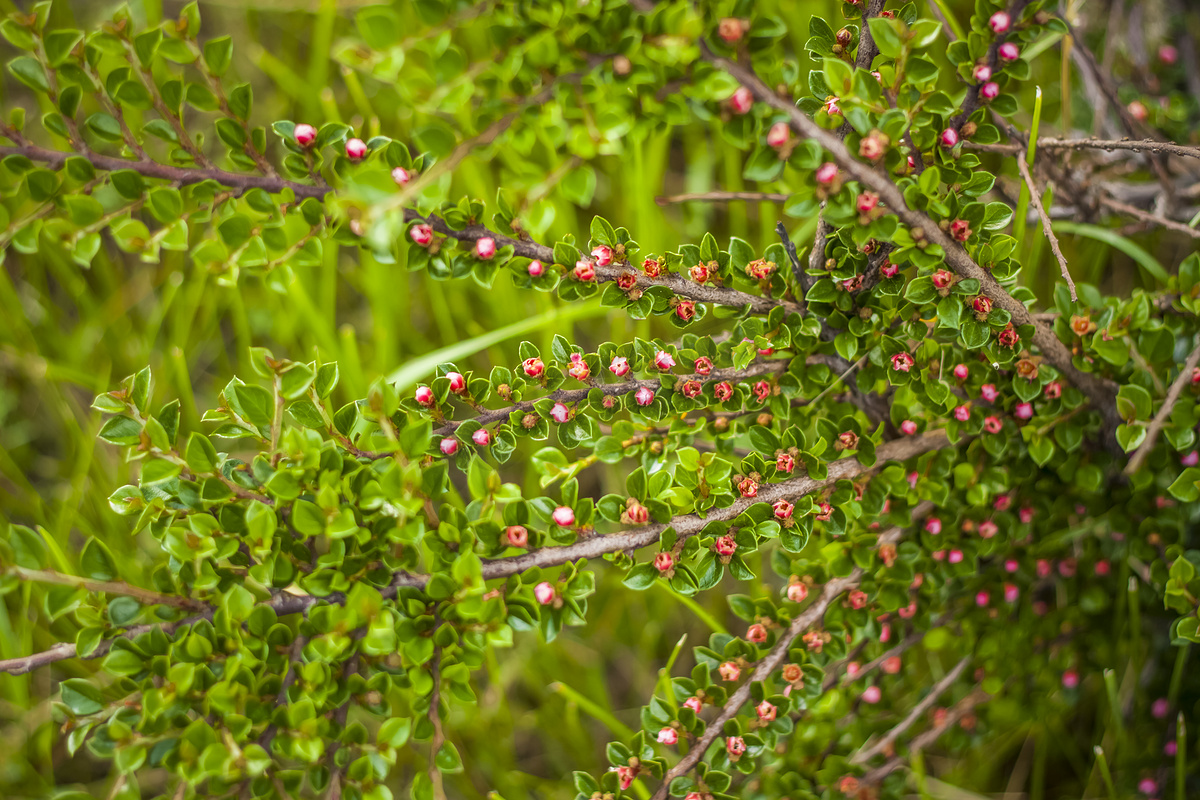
(960, 710)
(802, 281)
(771, 662)
(721, 197)
(913, 638)
(618, 389)
(685, 526)
(289, 677)
(1036, 201)
(439, 736)
(866, 754)
(676, 283)
(1051, 143)
(181, 175)
(971, 103)
(1100, 390)
(1160, 419)
(146, 597)
(1146, 216)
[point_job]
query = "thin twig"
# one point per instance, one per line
(1035, 200)
(1052, 143)
(924, 740)
(439, 736)
(1146, 216)
(721, 197)
(1160, 419)
(144, 596)
(867, 753)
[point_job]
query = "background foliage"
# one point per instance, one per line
(68, 334)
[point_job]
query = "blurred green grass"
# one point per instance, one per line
(66, 335)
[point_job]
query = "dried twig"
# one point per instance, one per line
(1036, 201)
(1134, 145)
(1160, 419)
(960, 710)
(1146, 216)
(721, 197)
(867, 753)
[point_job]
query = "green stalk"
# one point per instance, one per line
(1180, 756)
(705, 617)
(1104, 773)
(1114, 704)
(1177, 674)
(1024, 198)
(954, 24)
(664, 675)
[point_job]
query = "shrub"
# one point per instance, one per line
(932, 501)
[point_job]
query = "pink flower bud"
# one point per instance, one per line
(933, 526)
(1147, 786)
(1000, 22)
(824, 512)
(782, 509)
(961, 371)
(1160, 708)
(1023, 411)
(992, 424)
(1011, 565)
(644, 396)
(458, 384)
(858, 599)
(1026, 514)
(762, 390)
(741, 101)
(909, 611)
(779, 134)
(703, 366)
(756, 633)
(729, 671)
(481, 437)
(766, 712)
(544, 593)
(832, 108)
(866, 202)
(785, 463)
(735, 746)
(725, 546)
(693, 703)
(663, 361)
(989, 392)
(988, 529)
(962, 413)
(400, 176)
(536, 269)
(305, 134)
(983, 73)
(1066, 567)
(585, 270)
(1070, 679)
(748, 487)
(517, 535)
(891, 665)
(668, 736)
(356, 149)
(1053, 390)
(560, 413)
(982, 599)
(619, 366)
(902, 362)
(852, 670)
(827, 173)
(872, 695)
(908, 427)
(603, 255)
(942, 279)
(1167, 54)
(1191, 459)
(796, 592)
(888, 269)
(421, 234)
(424, 396)
(1170, 749)
(563, 516)
(533, 367)
(449, 445)
(989, 91)
(664, 562)
(1011, 593)
(949, 137)
(485, 248)
(1009, 51)
(955, 557)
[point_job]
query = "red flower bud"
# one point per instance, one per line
(481, 437)
(305, 134)
(517, 535)
(1000, 22)
(458, 384)
(691, 389)
(449, 446)
(949, 137)
(544, 593)
(741, 101)
(485, 248)
(603, 255)
(664, 562)
(619, 366)
(421, 234)
(564, 516)
(785, 463)
(1009, 51)
(686, 310)
(782, 509)
(356, 149)
(534, 367)
(401, 176)
(585, 270)
(424, 396)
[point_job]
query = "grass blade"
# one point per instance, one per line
(1143, 259)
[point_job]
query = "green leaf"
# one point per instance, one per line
(888, 34)
(217, 54)
(97, 562)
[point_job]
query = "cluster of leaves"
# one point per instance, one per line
(330, 577)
